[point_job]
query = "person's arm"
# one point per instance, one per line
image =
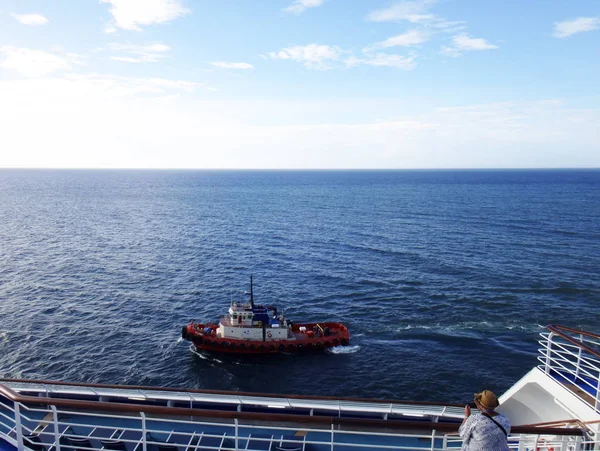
(465, 428)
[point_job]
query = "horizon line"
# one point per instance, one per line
(299, 169)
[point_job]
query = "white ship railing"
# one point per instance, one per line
(237, 432)
(147, 428)
(572, 357)
(195, 399)
(166, 428)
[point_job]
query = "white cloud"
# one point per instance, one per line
(416, 12)
(410, 38)
(31, 19)
(300, 5)
(384, 60)
(149, 53)
(125, 59)
(226, 65)
(36, 63)
(450, 51)
(313, 56)
(413, 11)
(133, 14)
(579, 25)
(462, 42)
(316, 56)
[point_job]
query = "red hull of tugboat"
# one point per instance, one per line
(305, 339)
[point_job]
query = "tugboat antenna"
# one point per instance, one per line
(251, 293)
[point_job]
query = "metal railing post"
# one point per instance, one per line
(432, 439)
(332, 432)
(578, 358)
(597, 400)
(18, 427)
(56, 431)
(237, 437)
(144, 432)
(548, 353)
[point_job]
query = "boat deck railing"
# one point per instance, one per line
(239, 401)
(572, 358)
(53, 417)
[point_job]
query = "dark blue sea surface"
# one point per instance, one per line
(444, 278)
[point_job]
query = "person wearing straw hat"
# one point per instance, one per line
(486, 431)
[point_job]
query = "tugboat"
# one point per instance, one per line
(258, 329)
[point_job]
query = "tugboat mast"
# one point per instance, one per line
(251, 294)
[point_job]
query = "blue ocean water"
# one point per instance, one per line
(444, 278)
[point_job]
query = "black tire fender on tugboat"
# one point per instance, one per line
(184, 333)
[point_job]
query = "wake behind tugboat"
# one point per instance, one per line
(252, 329)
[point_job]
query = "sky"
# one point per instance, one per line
(299, 84)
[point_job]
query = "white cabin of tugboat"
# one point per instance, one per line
(247, 322)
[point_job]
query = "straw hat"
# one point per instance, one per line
(487, 399)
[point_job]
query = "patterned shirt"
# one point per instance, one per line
(479, 433)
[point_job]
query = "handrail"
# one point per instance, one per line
(558, 327)
(558, 330)
(183, 411)
(316, 419)
(572, 359)
(223, 392)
